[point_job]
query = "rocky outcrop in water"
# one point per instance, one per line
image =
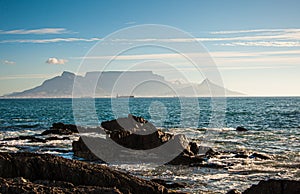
(241, 129)
(131, 136)
(275, 187)
(126, 138)
(61, 129)
(47, 173)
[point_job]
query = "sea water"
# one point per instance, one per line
(273, 123)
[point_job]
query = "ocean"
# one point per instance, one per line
(273, 125)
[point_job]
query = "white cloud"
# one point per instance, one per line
(218, 54)
(265, 44)
(7, 62)
(56, 61)
(256, 37)
(256, 30)
(52, 40)
(36, 31)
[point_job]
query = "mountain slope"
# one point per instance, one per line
(113, 83)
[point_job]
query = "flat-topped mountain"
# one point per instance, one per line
(113, 83)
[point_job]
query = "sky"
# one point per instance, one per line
(255, 44)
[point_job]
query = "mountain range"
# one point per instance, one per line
(113, 83)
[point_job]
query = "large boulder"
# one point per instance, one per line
(45, 167)
(135, 133)
(129, 140)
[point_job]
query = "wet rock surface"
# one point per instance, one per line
(130, 135)
(48, 173)
(136, 133)
(275, 187)
(239, 128)
(168, 184)
(61, 129)
(20, 185)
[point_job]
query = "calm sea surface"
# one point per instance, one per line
(273, 123)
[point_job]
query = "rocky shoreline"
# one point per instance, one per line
(45, 173)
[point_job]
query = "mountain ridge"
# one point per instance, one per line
(113, 83)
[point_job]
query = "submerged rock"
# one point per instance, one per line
(275, 187)
(65, 173)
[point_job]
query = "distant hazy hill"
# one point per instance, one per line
(113, 83)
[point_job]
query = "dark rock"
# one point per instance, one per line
(131, 135)
(261, 156)
(241, 129)
(21, 185)
(275, 187)
(135, 133)
(57, 132)
(82, 151)
(56, 138)
(131, 124)
(211, 153)
(26, 137)
(36, 167)
(194, 148)
(70, 127)
(185, 159)
(241, 155)
(168, 184)
(140, 142)
(234, 191)
(61, 129)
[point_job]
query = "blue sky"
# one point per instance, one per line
(255, 44)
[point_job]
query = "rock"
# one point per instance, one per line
(61, 129)
(168, 184)
(241, 129)
(26, 137)
(131, 124)
(135, 133)
(132, 134)
(194, 148)
(275, 187)
(57, 132)
(261, 156)
(234, 191)
(185, 159)
(21, 185)
(82, 151)
(241, 155)
(35, 167)
(70, 127)
(56, 138)
(211, 153)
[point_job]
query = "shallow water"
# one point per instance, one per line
(273, 124)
